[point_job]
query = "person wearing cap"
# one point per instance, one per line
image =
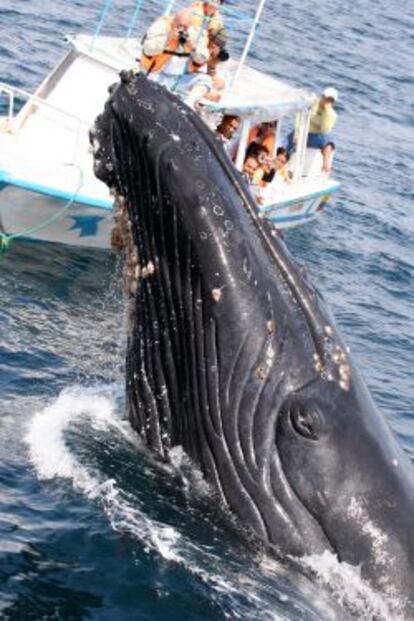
(322, 121)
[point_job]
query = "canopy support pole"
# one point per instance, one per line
(241, 151)
(302, 139)
(248, 43)
(134, 19)
(277, 136)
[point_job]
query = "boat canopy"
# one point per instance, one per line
(260, 97)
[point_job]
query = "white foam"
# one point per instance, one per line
(52, 458)
(353, 594)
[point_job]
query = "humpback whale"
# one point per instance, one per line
(233, 355)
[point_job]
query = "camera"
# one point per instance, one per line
(223, 55)
(182, 36)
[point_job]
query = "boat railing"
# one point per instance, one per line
(14, 121)
(13, 92)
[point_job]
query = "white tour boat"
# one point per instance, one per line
(47, 187)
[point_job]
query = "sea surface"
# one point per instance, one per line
(90, 526)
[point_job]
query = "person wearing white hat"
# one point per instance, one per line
(322, 121)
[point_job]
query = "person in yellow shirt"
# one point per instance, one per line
(322, 121)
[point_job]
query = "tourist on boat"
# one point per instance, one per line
(263, 134)
(264, 173)
(217, 55)
(226, 131)
(322, 121)
(270, 167)
(211, 87)
(173, 52)
(280, 165)
(250, 167)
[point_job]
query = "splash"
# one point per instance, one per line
(52, 458)
(349, 589)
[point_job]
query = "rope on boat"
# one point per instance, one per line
(134, 19)
(5, 239)
(105, 9)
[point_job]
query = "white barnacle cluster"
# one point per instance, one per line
(148, 270)
(271, 327)
(339, 358)
(317, 363)
(216, 294)
(122, 239)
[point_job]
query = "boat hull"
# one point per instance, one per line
(29, 214)
(298, 212)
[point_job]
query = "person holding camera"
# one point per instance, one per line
(172, 48)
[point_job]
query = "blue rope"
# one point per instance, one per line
(134, 19)
(169, 7)
(102, 18)
(230, 12)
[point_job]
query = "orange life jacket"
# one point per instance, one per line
(154, 64)
(268, 142)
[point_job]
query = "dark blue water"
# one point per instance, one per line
(90, 527)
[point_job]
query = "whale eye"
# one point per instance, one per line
(306, 421)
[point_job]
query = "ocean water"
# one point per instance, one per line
(90, 526)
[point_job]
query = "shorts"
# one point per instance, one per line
(319, 141)
(315, 141)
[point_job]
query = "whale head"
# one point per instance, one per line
(233, 355)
